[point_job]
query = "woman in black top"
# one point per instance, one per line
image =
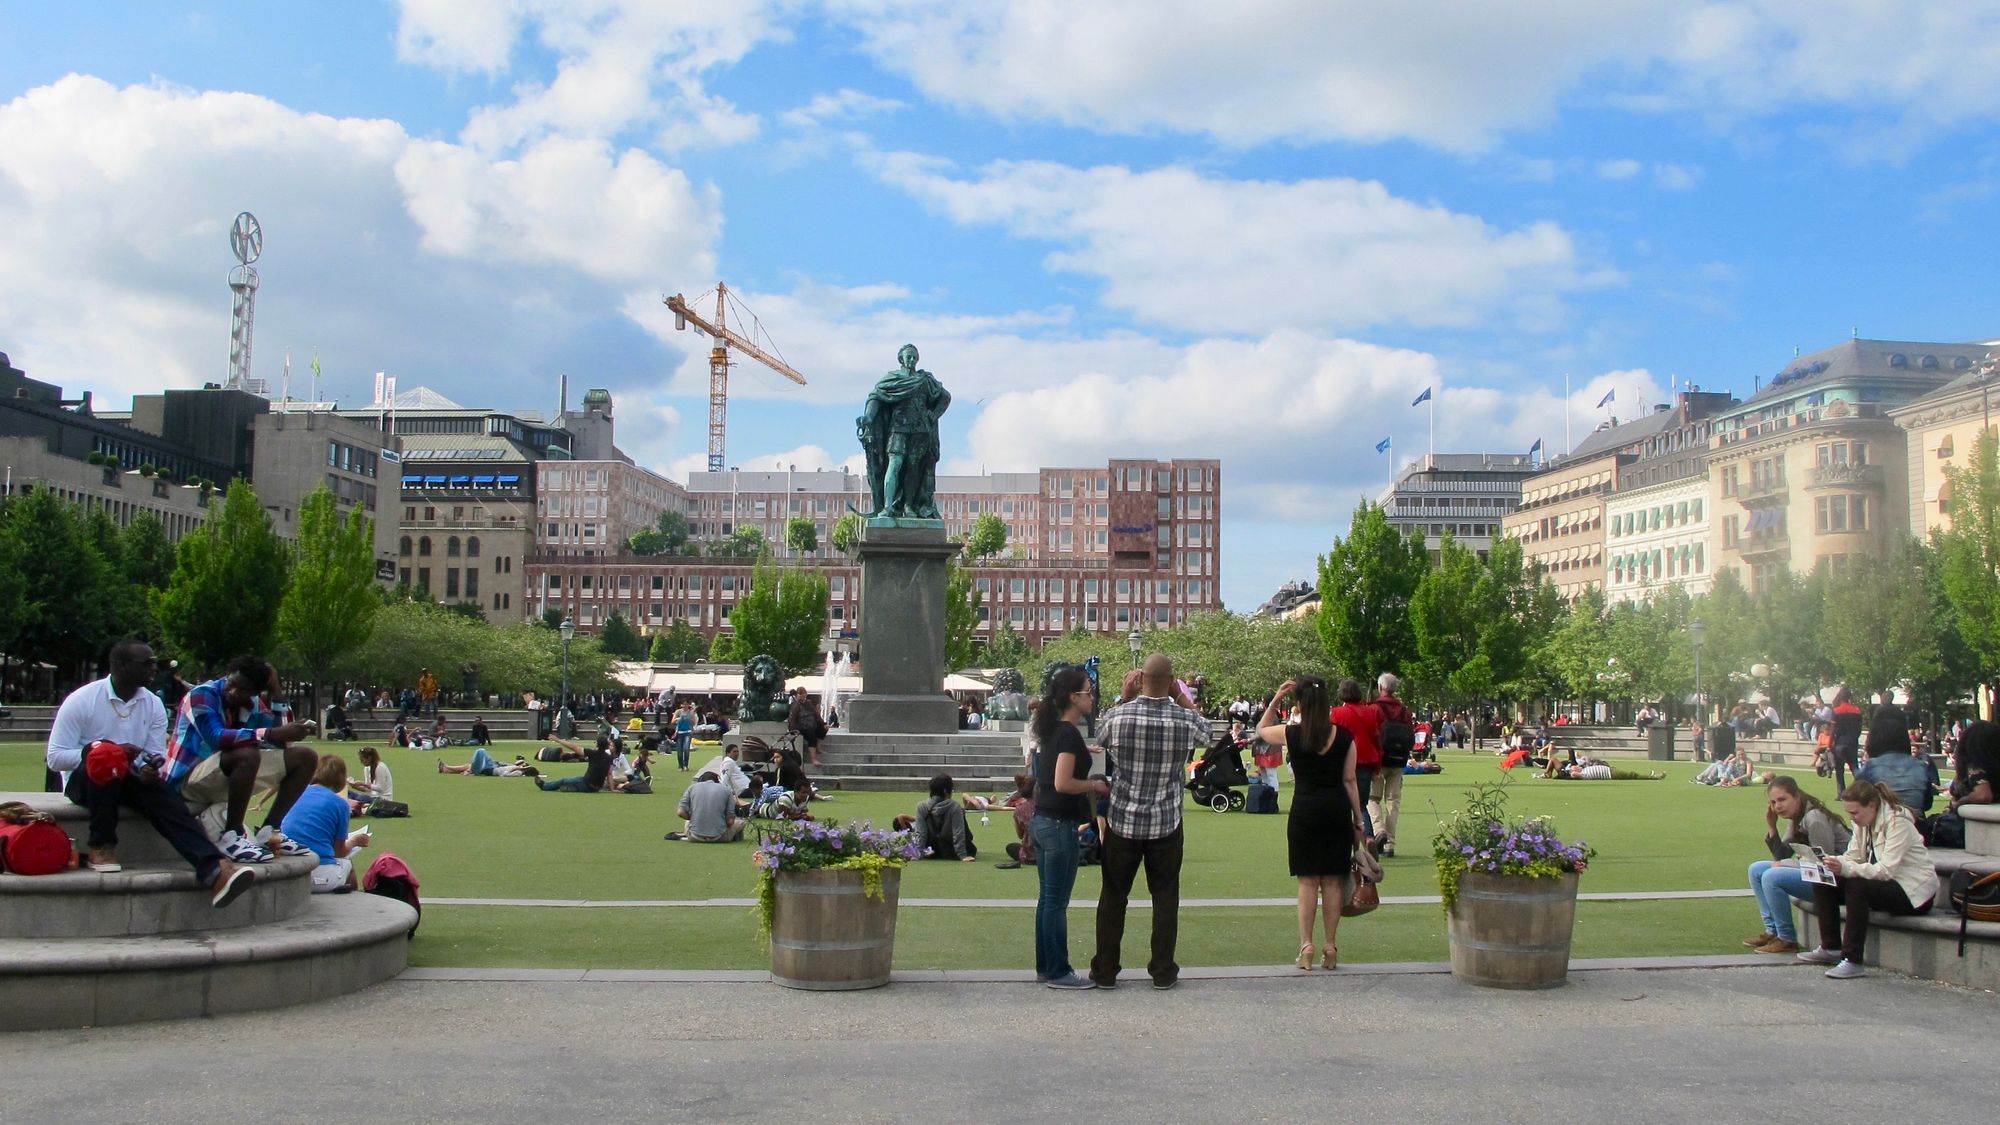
(1063, 793)
(1326, 805)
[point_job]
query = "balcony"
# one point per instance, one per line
(1766, 491)
(1763, 548)
(1846, 476)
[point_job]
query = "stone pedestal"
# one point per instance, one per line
(902, 631)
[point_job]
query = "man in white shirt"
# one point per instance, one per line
(728, 768)
(119, 709)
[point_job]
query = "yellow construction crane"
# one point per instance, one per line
(718, 363)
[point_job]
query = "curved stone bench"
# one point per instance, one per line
(146, 900)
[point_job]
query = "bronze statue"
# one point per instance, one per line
(898, 429)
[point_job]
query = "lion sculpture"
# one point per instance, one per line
(1009, 701)
(763, 691)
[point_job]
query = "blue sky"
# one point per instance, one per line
(1165, 228)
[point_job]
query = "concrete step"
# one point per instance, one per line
(1925, 945)
(146, 899)
(1982, 829)
(138, 844)
(337, 945)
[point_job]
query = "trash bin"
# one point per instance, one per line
(1660, 742)
(1721, 741)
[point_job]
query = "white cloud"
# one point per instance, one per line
(1623, 168)
(842, 105)
(1198, 254)
(1677, 177)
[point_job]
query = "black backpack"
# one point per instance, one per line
(1398, 739)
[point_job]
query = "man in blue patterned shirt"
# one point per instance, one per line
(1147, 739)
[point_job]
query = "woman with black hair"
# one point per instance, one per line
(1326, 806)
(1064, 792)
(1890, 762)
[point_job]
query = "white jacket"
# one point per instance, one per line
(1892, 849)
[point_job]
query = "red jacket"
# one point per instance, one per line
(1361, 721)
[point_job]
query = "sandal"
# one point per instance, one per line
(1332, 958)
(1305, 960)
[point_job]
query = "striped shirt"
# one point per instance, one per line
(1148, 739)
(206, 726)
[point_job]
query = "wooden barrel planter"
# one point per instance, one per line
(827, 935)
(1512, 931)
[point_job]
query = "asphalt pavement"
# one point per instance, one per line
(1707, 1045)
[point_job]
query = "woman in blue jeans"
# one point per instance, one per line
(1777, 881)
(1064, 793)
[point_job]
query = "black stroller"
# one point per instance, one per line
(1219, 768)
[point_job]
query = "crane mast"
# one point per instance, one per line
(718, 364)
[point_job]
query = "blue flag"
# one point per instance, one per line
(1382, 446)
(1422, 398)
(1533, 449)
(1609, 396)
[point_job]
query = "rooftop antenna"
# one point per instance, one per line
(246, 241)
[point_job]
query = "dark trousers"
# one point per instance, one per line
(1857, 897)
(162, 807)
(1122, 858)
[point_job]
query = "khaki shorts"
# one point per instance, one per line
(207, 787)
(330, 877)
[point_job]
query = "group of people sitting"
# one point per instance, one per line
(725, 796)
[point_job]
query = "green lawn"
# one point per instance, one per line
(475, 837)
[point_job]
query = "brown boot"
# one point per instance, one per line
(1778, 945)
(1761, 939)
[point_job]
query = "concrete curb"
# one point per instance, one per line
(1029, 904)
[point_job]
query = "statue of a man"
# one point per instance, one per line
(898, 429)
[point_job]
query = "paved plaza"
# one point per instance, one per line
(1378, 1043)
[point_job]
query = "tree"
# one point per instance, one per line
(1789, 618)
(988, 537)
(620, 640)
(330, 604)
(678, 644)
(1957, 671)
(801, 535)
(1238, 655)
(846, 533)
(229, 576)
(146, 553)
(1007, 649)
(1446, 619)
(783, 615)
(745, 542)
(64, 613)
(723, 649)
(551, 618)
(1576, 649)
(1877, 630)
(647, 541)
(1969, 553)
(674, 532)
(961, 618)
(1366, 585)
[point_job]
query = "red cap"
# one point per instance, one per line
(106, 763)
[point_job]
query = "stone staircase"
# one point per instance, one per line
(32, 723)
(1783, 747)
(82, 949)
(978, 761)
(1926, 945)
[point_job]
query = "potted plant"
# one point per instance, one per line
(826, 900)
(1509, 887)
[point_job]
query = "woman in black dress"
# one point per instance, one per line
(1325, 807)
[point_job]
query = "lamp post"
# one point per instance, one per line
(568, 631)
(1698, 633)
(1133, 640)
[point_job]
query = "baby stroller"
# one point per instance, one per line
(1219, 769)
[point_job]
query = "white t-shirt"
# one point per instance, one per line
(383, 784)
(93, 712)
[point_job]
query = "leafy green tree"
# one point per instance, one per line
(14, 606)
(801, 535)
(1789, 619)
(1576, 649)
(722, 650)
(1876, 631)
(123, 604)
(1007, 649)
(330, 604)
(647, 541)
(66, 613)
(1957, 670)
(620, 639)
(1366, 584)
(961, 618)
(1447, 618)
(467, 609)
(229, 577)
(674, 532)
(1969, 553)
(146, 553)
(678, 644)
(745, 542)
(783, 615)
(1238, 655)
(846, 533)
(551, 618)
(988, 537)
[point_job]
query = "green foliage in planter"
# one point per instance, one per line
(1482, 837)
(825, 845)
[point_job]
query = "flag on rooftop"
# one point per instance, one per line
(1382, 446)
(1609, 396)
(1535, 448)
(1422, 398)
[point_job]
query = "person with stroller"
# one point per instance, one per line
(1326, 804)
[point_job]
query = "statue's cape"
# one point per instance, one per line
(898, 386)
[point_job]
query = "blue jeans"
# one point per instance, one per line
(1364, 780)
(1056, 858)
(1775, 888)
(482, 763)
(682, 744)
(564, 785)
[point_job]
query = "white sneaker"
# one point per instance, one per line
(283, 845)
(1821, 956)
(1847, 970)
(240, 849)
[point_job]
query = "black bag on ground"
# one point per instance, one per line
(386, 809)
(638, 785)
(1262, 799)
(1945, 830)
(549, 754)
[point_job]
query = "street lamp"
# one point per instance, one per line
(1698, 633)
(1133, 640)
(568, 631)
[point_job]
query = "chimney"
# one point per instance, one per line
(562, 395)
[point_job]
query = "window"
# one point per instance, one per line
(451, 547)
(403, 548)
(1729, 481)
(472, 583)
(424, 548)
(1729, 531)
(472, 547)
(424, 578)
(1944, 448)
(451, 582)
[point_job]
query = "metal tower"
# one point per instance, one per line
(246, 241)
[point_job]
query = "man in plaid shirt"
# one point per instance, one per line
(224, 738)
(1148, 738)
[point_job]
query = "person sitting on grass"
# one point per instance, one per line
(480, 736)
(710, 810)
(318, 821)
(374, 783)
(1022, 801)
(484, 764)
(1725, 772)
(1886, 867)
(440, 735)
(1778, 880)
(940, 828)
(595, 776)
(728, 766)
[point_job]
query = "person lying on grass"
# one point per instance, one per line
(485, 765)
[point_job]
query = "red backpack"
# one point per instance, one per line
(390, 877)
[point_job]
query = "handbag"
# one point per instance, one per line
(1363, 897)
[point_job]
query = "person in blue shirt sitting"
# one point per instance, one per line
(318, 820)
(1890, 762)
